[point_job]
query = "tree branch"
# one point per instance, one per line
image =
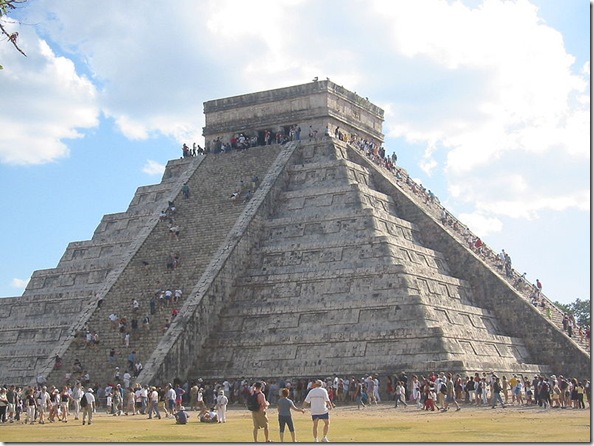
(12, 39)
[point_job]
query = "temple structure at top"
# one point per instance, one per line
(317, 107)
(295, 258)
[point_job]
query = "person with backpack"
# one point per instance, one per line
(87, 403)
(257, 404)
(544, 393)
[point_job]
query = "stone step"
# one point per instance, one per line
(205, 220)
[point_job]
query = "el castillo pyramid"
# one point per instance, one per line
(334, 266)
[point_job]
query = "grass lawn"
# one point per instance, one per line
(381, 423)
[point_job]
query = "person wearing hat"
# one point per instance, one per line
(54, 404)
(320, 404)
(181, 416)
(221, 405)
(88, 407)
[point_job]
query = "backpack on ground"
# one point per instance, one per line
(83, 401)
(252, 402)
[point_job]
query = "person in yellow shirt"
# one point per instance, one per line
(513, 382)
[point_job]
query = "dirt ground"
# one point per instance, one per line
(378, 423)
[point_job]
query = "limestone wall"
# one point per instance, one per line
(59, 301)
(545, 342)
(317, 104)
(339, 284)
(183, 342)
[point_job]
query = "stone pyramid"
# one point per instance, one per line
(334, 266)
(344, 282)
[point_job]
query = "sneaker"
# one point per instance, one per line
(83, 423)
(325, 440)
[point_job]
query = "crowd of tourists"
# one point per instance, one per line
(443, 391)
(434, 391)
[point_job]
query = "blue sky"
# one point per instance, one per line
(487, 104)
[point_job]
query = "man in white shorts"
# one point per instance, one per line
(320, 404)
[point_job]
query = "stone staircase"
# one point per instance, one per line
(492, 289)
(342, 283)
(58, 301)
(204, 219)
(332, 267)
(419, 196)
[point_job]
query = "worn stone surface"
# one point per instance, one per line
(332, 267)
(317, 105)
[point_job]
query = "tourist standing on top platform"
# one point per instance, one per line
(186, 152)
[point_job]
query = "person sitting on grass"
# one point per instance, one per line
(209, 417)
(181, 416)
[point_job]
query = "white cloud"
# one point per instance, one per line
(19, 284)
(45, 102)
(530, 209)
(481, 224)
(526, 102)
(153, 168)
(497, 140)
(481, 88)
